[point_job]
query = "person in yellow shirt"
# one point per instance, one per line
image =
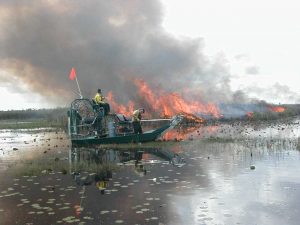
(99, 100)
(136, 120)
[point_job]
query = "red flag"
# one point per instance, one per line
(72, 74)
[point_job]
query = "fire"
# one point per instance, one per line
(192, 118)
(163, 104)
(185, 133)
(169, 104)
(122, 109)
(179, 135)
(278, 109)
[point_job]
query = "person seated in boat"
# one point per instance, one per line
(99, 100)
(136, 120)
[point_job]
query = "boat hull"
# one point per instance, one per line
(128, 138)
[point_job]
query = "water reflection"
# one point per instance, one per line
(96, 165)
(188, 182)
(215, 185)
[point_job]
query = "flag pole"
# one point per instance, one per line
(78, 87)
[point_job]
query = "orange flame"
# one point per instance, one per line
(178, 135)
(169, 104)
(162, 103)
(278, 109)
(194, 132)
(122, 109)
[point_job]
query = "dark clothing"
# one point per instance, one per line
(106, 107)
(137, 127)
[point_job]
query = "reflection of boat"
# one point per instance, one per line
(88, 124)
(110, 156)
(90, 165)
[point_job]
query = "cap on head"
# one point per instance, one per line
(142, 110)
(99, 90)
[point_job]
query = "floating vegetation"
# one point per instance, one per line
(70, 219)
(64, 208)
(88, 218)
(104, 212)
(56, 186)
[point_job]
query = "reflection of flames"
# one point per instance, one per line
(278, 109)
(145, 156)
(77, 209)
(178, 135)
(189, 133)
(162, 103)
(249, 115)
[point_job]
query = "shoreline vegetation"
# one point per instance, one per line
(34, 118)
(57, 117)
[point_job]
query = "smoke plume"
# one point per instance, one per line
(110, 43)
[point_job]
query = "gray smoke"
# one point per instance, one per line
(281, 93)
(109, 43)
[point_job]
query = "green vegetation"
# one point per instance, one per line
(29, 119)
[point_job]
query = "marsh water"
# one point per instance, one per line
(239, 173)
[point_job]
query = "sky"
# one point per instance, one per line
(259, 39)
(255, 44)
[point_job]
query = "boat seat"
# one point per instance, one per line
(122, 119)
(124, 125)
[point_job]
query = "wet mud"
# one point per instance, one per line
(223, 174)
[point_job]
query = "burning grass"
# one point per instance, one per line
(273, 115)
(162, 104)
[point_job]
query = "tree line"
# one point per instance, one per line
(47, 114)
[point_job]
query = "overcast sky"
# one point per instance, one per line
(257, 40)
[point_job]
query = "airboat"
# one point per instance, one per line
(88, 124)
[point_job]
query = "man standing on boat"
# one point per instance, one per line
(99, 100)
(136, 120)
